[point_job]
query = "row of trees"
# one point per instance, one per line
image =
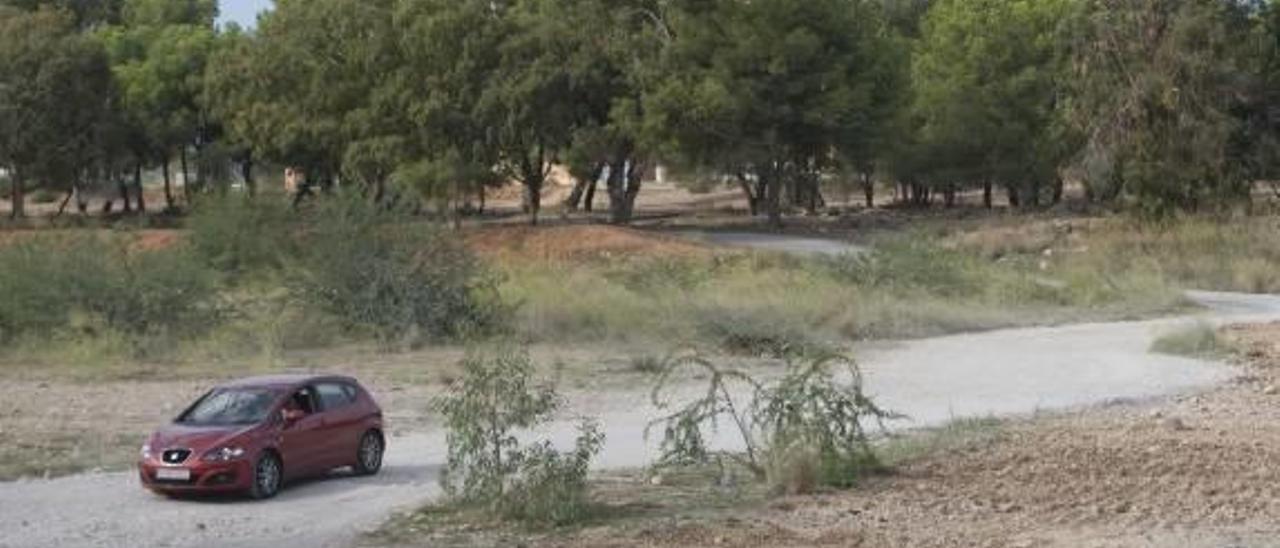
(1161, 105)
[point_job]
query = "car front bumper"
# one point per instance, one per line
(210, 477)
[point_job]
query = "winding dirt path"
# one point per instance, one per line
(1007, 372)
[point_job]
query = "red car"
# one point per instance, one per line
(253, 435)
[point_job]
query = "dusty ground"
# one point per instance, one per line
(1195, 470)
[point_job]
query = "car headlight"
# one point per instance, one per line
(145, 452)
(224, 454)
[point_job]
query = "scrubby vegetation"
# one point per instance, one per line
(487, 465)
(1199, 340)
(808, 429)
(250, 279)
(766, 304)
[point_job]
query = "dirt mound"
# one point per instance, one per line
(576, 242)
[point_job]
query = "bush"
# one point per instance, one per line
(755, 334)
(487, 467)
(236, 234)
(1200, 340)
(804, 430)
(395, 279)
(88, 286)
(910, 263)
(44, 196)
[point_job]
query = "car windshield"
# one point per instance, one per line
(230, 406)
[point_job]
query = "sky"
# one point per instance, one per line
(244, 12)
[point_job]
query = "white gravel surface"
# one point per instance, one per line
(1005, 372)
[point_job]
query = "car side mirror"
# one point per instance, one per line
(291, 416)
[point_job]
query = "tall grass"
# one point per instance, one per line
(97, 288)
(253, 278)
(1202, 253)
(761, 303)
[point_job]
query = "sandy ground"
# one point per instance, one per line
(1197, 470)
(1007, 372)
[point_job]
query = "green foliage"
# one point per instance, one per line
(716, 106)
(987, 107)
(399, 280)
(1163, 113)
(487, 465)
(237, 235)
(1200, 340)
(912, 264)
(92, 288)
(808, 428)
(55, 87)
(551, 486)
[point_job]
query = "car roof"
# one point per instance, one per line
(283, 380)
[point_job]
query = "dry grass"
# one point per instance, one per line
(517, 244)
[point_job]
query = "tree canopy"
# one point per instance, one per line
(1159, 108)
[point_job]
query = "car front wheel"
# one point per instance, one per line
(267, 476)
(369, 455)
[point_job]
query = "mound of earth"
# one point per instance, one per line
(576, 242)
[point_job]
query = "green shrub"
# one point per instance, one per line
(755, 333)
(88, 286)
(807, 429)
(394, 279)
(45, 196)
(551, 486)
(910, 263)
(236, 234)
(1200, 340)
(488, 468)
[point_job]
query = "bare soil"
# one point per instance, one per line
(1192, 470)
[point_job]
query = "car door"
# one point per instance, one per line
(341, 422)
(302, 443)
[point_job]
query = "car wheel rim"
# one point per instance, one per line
(371, 452)
(268, 475)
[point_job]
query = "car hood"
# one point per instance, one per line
(197, 438)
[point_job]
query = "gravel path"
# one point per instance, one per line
(1005, 372)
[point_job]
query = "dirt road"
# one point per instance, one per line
(1003, 372)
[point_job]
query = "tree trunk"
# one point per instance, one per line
(869, 190)
(533, 199)
(949, 196)
(533, 175)
(589, 200)
(1015, 198)
(986, 194)
(137, 187)
(753, 200)
(186, 178)
(1058, 187)
(574, 202)
(168, 182)
(625, 178)
(17, 196)
(123, 187)
(482, 198)
(62, 208)
(246, 172)
(773, 198)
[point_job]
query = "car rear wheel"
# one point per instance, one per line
(369, 454)
(267, 476)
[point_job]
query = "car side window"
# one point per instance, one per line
(334, 395)
(304, 399)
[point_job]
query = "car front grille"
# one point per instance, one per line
(175, 456)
